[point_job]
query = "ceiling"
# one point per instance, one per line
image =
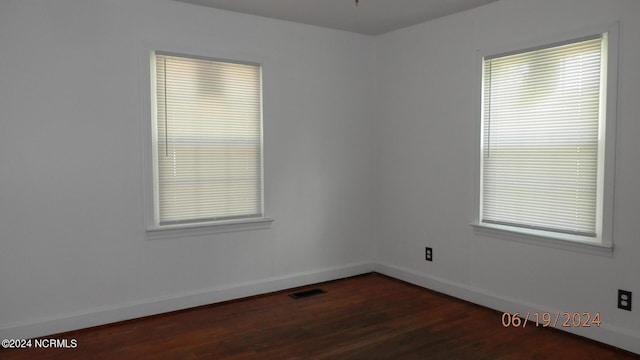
(371, 17)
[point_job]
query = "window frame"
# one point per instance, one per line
(150, 169)
(603, 243)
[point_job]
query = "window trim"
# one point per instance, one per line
(152, 227)
(603, 244)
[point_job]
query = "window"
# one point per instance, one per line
(207, 141)
(543, 142)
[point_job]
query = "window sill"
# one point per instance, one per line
(545, 238)
(183, 230)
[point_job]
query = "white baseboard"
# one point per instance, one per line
(127, 311)
(615, 336)
(611, 335)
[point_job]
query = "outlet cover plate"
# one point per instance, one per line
(428, 254)
(624, 300)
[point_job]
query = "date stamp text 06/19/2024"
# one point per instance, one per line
(548, 319)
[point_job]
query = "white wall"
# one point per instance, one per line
(427, 96)
(73, 248)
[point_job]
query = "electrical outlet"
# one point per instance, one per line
(624, 300)
(428, 254)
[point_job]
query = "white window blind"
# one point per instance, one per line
(208, 140)
(542, 112)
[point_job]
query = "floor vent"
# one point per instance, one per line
(307, 293)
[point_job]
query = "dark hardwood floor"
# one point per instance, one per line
(364, 317)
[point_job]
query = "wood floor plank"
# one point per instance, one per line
(364, 317)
